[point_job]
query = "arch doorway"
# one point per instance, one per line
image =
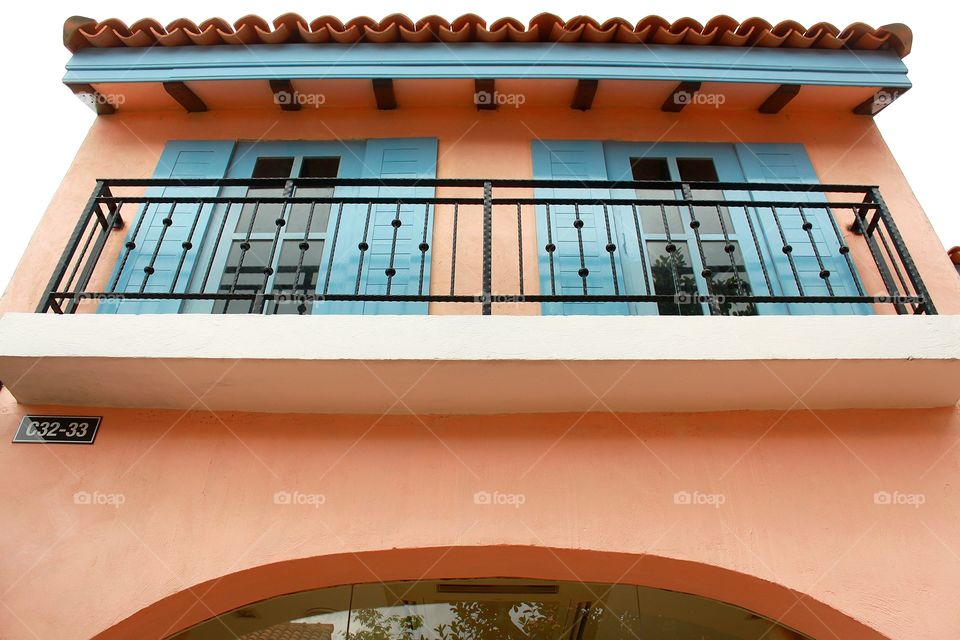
(489, 609)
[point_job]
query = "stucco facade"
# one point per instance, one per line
(831, 516)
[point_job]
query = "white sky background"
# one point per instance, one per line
(45, 123)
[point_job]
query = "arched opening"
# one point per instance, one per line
(285, 591)
(489, 609)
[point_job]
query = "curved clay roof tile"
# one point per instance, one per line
(721, 30)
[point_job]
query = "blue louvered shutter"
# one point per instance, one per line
(788, 163)
(584, 160)
(412, 158)
(180, 159)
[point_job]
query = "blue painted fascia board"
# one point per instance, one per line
(483, 60)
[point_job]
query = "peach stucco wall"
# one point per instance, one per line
(798, 516)
(843, 148)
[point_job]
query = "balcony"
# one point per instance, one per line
(433, 296)
(608, 248)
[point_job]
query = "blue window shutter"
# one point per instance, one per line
(390, 158)
(582, 159)
(788, 163)
(180, 159)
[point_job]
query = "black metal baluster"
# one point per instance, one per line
(107, 224)
(808, 227)
(671, 249)
(729, 248)
(643, 253)
(844, 250)
(453, 259)
(186, 245)
(578, 225)
(520, 246)
(756, 245)
(83, 253)
(260, 300)
(893, 261)
(129, 246)
(303, 246)
(611, 248)
(244, 247)
(487, 304)
(902, 251)
(47, 301)
(787, 249)
(424, 247)
(867, 232)
(149, 269)
(707, 272)
(216, 248)
(363, 247)
(333, 251)
(550, 248)
(390, 270)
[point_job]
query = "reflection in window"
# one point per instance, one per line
(300, 213)
(490, 610)
(293, 280)
(652, 217)
(728, 279)
(673, 276)
(290, 280)
(250, 264)
(264, 215)
(704, 170)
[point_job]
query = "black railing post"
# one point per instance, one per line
(903, 252)
(109, 223)
(487, 248)
(61, 269)
(865, 229)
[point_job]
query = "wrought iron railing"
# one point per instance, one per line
(598, 247)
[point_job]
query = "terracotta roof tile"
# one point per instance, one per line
(80, 32)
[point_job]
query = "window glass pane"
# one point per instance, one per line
(292, 282)
(404, 611)
(492, 609)
(320, 167)
(652, 217)
(300, 214)
(272, 168)
(729, 279)
(673, 276)
(266, 213)
(250, 278)
(704, 170)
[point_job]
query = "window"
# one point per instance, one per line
(677, 266)
(494, 609)
(278, 258)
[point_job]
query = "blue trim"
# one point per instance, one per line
(180, 159)
(387, 158)
(557, 159)
(789, 163)
(471, 60)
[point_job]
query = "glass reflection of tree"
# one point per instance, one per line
(489, 621)
(672, 275)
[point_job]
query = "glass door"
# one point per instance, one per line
(686, 252)
(276, 248)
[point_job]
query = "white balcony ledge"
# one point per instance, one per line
(480, 365)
